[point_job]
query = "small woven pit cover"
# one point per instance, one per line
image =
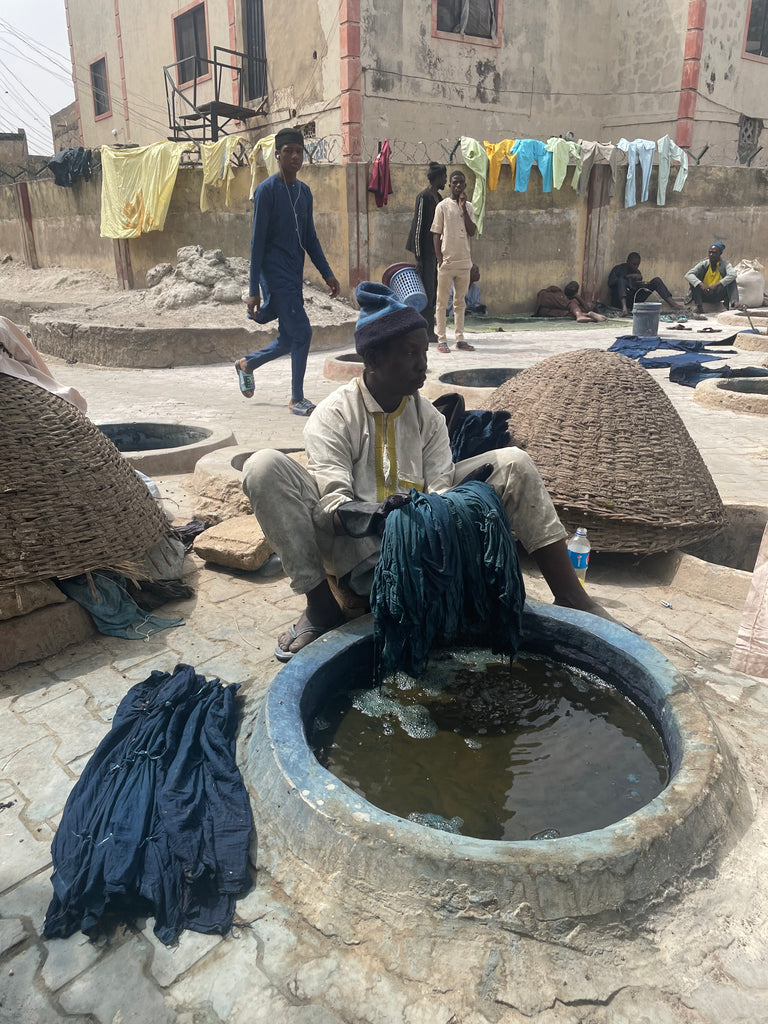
(613, 452)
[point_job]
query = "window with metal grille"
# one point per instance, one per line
(100, 88)
(191, 44)
(467, 17)
(757, 29)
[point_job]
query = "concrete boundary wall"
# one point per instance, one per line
(529, 240)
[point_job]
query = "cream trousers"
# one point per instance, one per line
(283, 496)
(447, 276)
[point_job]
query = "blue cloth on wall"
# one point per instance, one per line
(159, 821)
(448, 569)
(528, 152)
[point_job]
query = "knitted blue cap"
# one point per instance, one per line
(718, 245)
(382, 316)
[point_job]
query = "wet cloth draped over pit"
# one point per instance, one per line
(136, 188)
(159, 821)
(113, 610)
(216, 158)
(448, 569)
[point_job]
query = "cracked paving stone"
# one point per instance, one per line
(117, 983)
(12, 932)
(77, 730)
(169, 963)
(15, 735)
(66, 958)
(21, 1000)
(44, 784)
(23, 853)
(105, 685)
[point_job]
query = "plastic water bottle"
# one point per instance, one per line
(578, 549)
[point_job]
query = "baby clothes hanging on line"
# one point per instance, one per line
(216, 159)
(669, 151)
(136, 187)
(476, 159)
(642, 150)
(264, 148)
(497, 153)
(528, 152)
(562, 150)
(598, 152)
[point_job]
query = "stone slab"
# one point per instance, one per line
(236, 543)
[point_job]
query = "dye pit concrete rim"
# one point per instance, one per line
(317, 836)
(180, 445)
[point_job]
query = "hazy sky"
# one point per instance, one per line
(35, 68)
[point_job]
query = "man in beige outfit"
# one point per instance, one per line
(452, 228)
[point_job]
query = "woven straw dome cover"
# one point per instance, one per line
(69, 501)
(613, 453)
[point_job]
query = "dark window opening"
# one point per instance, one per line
(757, 30)
(255, 48)
(467, 17)
(100, 87)
(191, 44)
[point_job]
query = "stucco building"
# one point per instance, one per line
(424, 72)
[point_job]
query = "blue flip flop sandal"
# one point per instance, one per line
(246, 382)
(302, 408)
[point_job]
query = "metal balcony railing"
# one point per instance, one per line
(192, 118)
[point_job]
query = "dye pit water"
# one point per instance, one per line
(535, 750)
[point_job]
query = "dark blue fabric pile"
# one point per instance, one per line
(448, 570)
(158, 823)
(478, 431)
(691, 374)
(684, 351)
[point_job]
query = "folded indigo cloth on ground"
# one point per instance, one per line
(691, 374)
(112, 609)
(159, 822)
(448, 570)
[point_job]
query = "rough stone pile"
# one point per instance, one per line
(199, 276)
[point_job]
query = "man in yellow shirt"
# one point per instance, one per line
(713, 280)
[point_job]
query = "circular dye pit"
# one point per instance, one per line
(483, 377)
(165, 447)
(317, 835)
(532, 750)
(738, 394)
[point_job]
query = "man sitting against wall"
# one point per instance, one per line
(713, 280)
(627, 286)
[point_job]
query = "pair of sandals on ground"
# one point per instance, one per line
(298, 406)
(443, 346)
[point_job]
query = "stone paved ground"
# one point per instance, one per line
(700, 956)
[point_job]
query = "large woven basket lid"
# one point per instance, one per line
(69, 501)
(612, 451)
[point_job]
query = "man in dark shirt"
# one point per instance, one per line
(626, 280)
(420, 240)
(283, 231)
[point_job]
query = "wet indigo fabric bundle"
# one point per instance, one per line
(448, 570)
(159, 821)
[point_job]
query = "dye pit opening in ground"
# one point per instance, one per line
(535, 749)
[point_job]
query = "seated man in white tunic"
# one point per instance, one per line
(367, 445)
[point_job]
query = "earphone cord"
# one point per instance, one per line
(293, 207)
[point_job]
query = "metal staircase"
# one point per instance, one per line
(193, 118)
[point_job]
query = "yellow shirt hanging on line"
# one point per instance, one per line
(136, 187)
(216, 158)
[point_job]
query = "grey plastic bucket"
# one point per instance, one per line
(645, 319)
